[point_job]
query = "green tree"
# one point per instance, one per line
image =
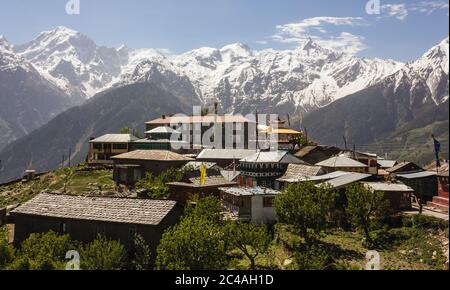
(43, 252)
(102, 254)
(6, 250)
(194, 244)
(365, 207)
(251, 239)
(209, 208)
(306, 207)
(142, 254)
(126, 130)
(157, 185)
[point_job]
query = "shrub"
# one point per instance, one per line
(6, 250)
(194, 244)
(306, 207)
(102, 254)
(430, 223)
(314, 257)
(43, 252)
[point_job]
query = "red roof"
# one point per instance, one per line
(199, 119)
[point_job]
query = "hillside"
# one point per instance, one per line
(401, 111)
(108, 112)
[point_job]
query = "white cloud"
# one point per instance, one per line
(402, 11)
(399, 11)
(345, 42)
(429, 7)
(297, 33)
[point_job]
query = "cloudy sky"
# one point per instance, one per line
(398, 29)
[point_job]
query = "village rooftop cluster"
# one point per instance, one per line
(245, 179)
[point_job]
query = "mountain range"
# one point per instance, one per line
(28, 100)
(366, 100)
(397, 115)
(240, 79)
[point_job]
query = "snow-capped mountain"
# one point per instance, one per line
(73, 61)
(307, 78)
(427, 77)
(27, 99)
(235, 76)
(412, 103)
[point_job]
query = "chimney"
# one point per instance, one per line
(216, 108)
(163, 117)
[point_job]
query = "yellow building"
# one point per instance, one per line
(284, 137)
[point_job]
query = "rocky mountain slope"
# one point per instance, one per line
(27, 99)
(107, 112)
(240, 79)
(414, 98)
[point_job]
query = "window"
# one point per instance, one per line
(120, 146)
(268, 202)
(97, 146)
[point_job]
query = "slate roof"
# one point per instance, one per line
(115, 138)
(308, 149)
(302, 170)
(152, 155)
(385, 164)
(114, 210)
(400, 166)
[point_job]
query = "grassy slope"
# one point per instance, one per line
(77, 182)
(421, 250)
(418, 145)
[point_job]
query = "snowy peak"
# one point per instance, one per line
(427, 77)
(236, 51)
(4, 44)
(73, 61)
(435, 57)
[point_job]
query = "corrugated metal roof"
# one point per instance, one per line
(236, 154)
(273, 157)
(388, 187)
(115, 138)
(115, 210)
(347, 179)
(417, 175)
(153, 155)
(245, 191)
(341, 162)
(163, 130)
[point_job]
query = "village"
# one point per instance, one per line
(256, 178)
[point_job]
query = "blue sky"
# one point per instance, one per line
(403, 31)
